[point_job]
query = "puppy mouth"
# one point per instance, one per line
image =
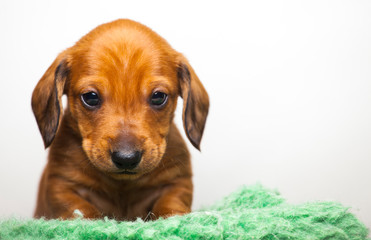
(126, 172)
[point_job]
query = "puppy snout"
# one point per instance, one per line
(126, 160)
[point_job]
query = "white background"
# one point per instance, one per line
(289, 82)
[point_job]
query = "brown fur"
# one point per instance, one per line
(125, 62)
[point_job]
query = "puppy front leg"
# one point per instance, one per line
(77, 203)
(176, 199)
(63, 202)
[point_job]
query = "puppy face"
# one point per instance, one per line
(122, 81)
(123, 101)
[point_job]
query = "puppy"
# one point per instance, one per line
(115, 150)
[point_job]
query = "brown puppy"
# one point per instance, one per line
(115, 150)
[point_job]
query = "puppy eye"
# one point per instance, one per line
(158, 99)
(90, 99)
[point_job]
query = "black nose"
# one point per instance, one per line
(126, 160)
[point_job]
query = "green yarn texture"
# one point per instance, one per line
(252, 212)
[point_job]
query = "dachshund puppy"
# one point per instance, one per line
(115, 151)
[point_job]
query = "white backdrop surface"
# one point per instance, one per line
(289, 83)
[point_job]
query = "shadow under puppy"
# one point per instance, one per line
(115, 150)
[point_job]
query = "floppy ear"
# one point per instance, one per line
(195, 103)
(46, 99)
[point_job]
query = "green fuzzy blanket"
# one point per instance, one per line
(249, 213)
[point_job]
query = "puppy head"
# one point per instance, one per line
(122, 81)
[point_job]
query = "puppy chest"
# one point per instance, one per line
(124, 205)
